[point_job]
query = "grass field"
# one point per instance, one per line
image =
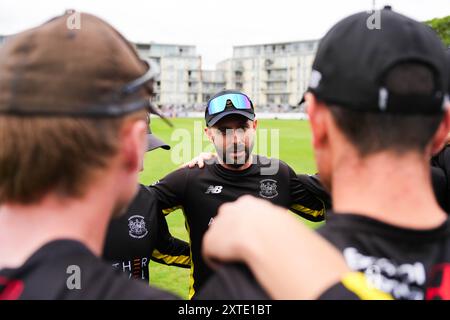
(294, 148)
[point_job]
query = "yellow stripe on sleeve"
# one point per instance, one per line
(357, 283)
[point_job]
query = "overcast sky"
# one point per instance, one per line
(213, 26)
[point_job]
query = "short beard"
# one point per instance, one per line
(235, 163)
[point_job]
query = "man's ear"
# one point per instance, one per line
(133, 144)
(440, 138)
(255, 124)
(209, 134)
(317, 114)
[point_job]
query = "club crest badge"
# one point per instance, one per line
(268, 189)
(137, 227)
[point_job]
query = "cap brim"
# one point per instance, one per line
(221, 115)
(153, 143)
(302, 101)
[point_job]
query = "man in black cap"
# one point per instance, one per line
(376, 104)
(231, 126)
(142, 234)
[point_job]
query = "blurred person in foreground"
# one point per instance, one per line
(74, 133)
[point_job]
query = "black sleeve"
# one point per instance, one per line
(171, 189)
(439, 160)
(170, 250)
(308, 198)
(232, 282)
(312, 184)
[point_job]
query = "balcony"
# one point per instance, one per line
(276, 91)
(276, 67)
(276, 79)
(239, 67)
(269, 64)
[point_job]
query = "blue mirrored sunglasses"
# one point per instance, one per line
(239, 100)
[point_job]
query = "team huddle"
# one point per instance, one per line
(75, 127)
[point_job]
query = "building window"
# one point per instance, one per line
(206, 97)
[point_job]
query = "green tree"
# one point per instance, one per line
(442, 27)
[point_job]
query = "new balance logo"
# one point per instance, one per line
(214, 189)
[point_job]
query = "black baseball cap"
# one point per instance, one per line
(448, 73)
(352, 60)
(153, 142)
(228, 102)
